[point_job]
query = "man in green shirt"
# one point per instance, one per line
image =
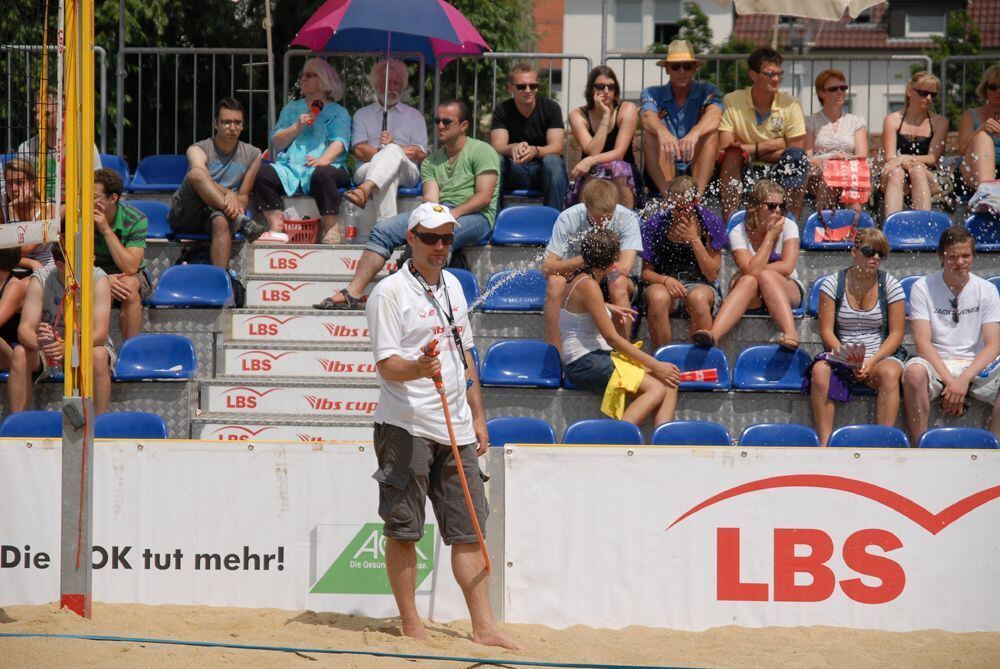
(119, 248)
(463, 175)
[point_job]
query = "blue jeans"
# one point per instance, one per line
(390, 233)
(547, 175)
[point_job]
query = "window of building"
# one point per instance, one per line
(628, 25)
(895, 102)
(925, 25)
(666, 15)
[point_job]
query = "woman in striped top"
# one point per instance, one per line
(860, 305)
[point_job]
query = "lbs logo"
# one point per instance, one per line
(267, 326)
(279, 291)
(238, 432)
(260, 361)
(807, 550)
(286, 260)
(242, 397)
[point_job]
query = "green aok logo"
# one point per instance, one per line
(360, 567)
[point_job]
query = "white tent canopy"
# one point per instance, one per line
(830, 10)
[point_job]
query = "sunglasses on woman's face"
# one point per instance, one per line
(993, 88)
(604, 87)
(775, 206)
(870, 252)
(833, 89)
(925, 94)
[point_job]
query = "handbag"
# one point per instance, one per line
(851, 176)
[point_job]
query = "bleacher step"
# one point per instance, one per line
(298, 325)
(282, 291)
(272, 427)
(292, 396)
(311, 259)
(283, 360)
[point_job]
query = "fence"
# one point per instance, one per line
(959, 77)
(877, 83)
(19, 104)
(167, 96)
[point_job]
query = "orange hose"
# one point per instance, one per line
(432, 351)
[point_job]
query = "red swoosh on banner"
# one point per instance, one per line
(300, 256)
(932, 522)
(275, 319)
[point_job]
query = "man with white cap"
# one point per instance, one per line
(406, 311)
(463, 174)
(680, 120)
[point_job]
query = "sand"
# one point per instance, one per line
(720, 647)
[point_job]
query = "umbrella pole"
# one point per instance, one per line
(385, 92)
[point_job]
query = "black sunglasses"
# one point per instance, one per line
(992, 88)
(604, 87)
(925, 94)
(834, 89)
(687, 67)
(432, 238)
(870, 252)
(438, 120)
(954, 309)
(774, 206)
(530, 87)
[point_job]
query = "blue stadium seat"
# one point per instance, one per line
(995, 280)
(735, 220)
(770, 367)
(842, 218)
(193, 286)
(907, 285)
(525, 192)
(986, 229)
(915, 230)
(163, 173)
(812, 303)
(469, 284)
(779, 434)
(156, 215)
(118, 164)
(156, 356)
(515, 290)
(414, 191)
(690, 433)
(41, 424)
(521, 430)
(868, 436)
(6, 158)
(129, 425)
(957, 437)
(603, 431)
(688, 357)
(528, 363)
(528, 225)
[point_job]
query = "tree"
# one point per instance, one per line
(693, 27)
(962, 38)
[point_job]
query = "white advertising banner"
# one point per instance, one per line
(291, 526)
(697, 538)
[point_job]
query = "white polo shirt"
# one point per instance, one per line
(402, 319)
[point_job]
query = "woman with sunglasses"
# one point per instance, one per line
(765, 247)
(979, 133)
(859, 305)
(832, 133)
(588, 336)
(913, 140)
(310, 141)
(604, 129)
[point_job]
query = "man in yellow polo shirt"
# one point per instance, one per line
(766, 129)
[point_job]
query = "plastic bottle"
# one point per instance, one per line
(351, 224)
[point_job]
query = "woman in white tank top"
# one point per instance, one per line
(588, 336)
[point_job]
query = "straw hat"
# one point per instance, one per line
(679, 51)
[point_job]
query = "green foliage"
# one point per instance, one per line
(694, 28)
(729, 75)
(961, 39)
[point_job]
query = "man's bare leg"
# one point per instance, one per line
(211, 193)
(703, 166)
(661, 171)
(730, 182)
(401, 568)
(222, 242)
(23, 363)
(102, 380)
(470, 572)
(130, 312)
(369, 265)
(555, 292)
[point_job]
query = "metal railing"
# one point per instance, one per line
(555, 69)
(959, 77)
(174, 90)
(873, 80)
(353, 69)
(13, 107)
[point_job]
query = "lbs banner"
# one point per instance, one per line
(697, 538)
(292, 526)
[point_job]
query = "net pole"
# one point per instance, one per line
(75, 583)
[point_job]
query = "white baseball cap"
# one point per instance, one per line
(431, 215)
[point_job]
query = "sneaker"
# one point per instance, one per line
(249, 228)
(273, 237)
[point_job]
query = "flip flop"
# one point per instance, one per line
(350, 302)
(358, 197)
(786, 343)
(703, 339)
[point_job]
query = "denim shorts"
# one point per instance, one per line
(592, 371)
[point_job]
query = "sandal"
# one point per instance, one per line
(332, 236)
(786, 343)
(350, 302)
(358, 197)
(703, 339)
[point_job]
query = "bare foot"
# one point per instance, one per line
(496, 637)
(416, 630)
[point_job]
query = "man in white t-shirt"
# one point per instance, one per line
(955, 318)
(563, 259)
(405, 312)
(388, 157)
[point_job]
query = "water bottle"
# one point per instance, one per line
(351, 224)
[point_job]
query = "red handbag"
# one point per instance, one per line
(851, 176)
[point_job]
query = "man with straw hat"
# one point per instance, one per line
(680, 120)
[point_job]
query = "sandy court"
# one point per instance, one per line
(720, 647)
